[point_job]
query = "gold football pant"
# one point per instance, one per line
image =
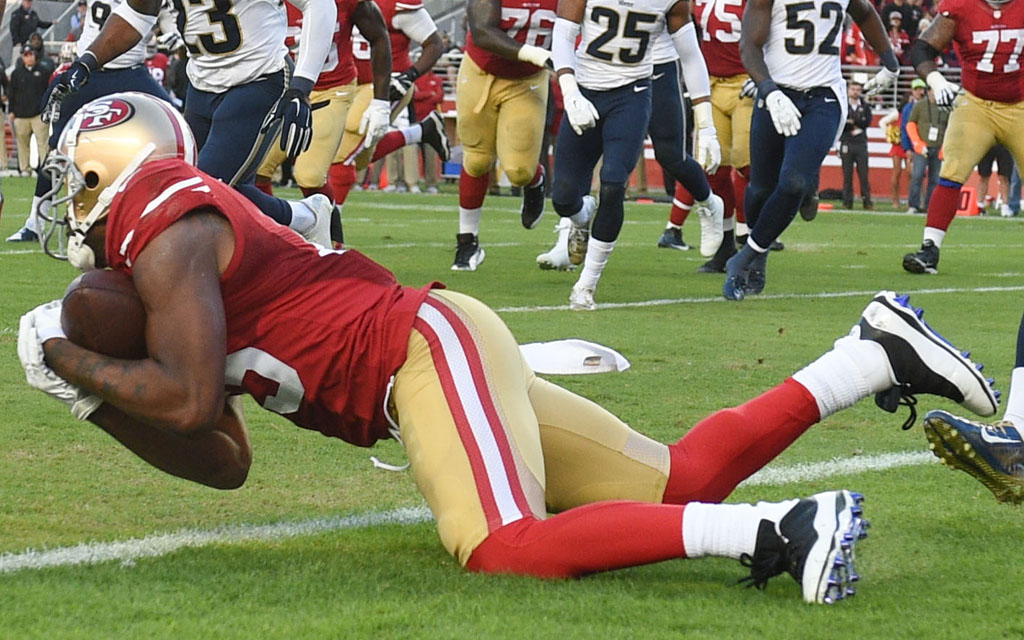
(353, 149)
(500, 118)
(974, 127)
(731, 115)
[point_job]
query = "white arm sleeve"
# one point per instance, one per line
(141, 22)
(695, 71)
(563, 43)
(418, 24)
(319, 19)
(167, 19)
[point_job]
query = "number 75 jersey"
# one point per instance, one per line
(616, 41)
(802, 50)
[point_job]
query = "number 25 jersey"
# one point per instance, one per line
(802, 50)
(617, 40)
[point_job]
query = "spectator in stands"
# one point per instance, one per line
(999, 155)
(78, 20)
(899, 38)
(24, 22)
(912, 14)
(42, 59)
(428, 97)
(926, 129)
(853, 146)
(909, 12)
(27, 86)
(176, 79)
(917, 89)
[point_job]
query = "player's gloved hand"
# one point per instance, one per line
(375, 122)
(749, 89)
(36, 327)
(537, 56)
(785, 115)
(581, 113)
(296, 117)
(401, 83)
(170, 41)
(945, 91)
(882, 81)
(709, 151)
(70, 81)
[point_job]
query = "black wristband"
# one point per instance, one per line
(765, 87)
(89, 60)
(303, 85)
(412, 73)
(890, 61)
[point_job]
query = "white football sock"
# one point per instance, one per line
(582, 217)
(303, 218)
(728, 224)
(727, 530)
(594, 263)
(1015, 399)
(742, 229)
(854, 369)
(469, 220)
(935, 235)
(412, 134)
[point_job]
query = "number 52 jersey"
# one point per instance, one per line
(616, 41)
(802, 50)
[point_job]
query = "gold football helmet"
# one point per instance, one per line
(103, 144)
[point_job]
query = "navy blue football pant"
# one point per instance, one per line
(668, 131)
(785, 169)
(102, 82)
(233, 135)
(618, 137)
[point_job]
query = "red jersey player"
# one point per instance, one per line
(329, 340)
(501, 101)
(989, 38)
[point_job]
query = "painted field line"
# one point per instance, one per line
(152, 546)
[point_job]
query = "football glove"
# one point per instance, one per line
(375, 122)
(36, 327)
(785, 115)
(70, 81)
(882, 81)
(749, 89)
(709, 151)
(945, 91)
(401, 83)
(296, 118)
(537, 56)
(170, 41)
(580, 112)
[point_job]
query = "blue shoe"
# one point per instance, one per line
(736, 276)
(756, 275)
(23, 234)
(814, 542)
(992, 453)
(733, 288)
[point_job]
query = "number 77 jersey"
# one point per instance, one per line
(989, 41)
(802, 50)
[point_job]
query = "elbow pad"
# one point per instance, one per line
(563, 43)
(695, 71)
(921, 51)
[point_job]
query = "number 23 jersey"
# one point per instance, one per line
(616, 42)
(232, 42)
(802, 50)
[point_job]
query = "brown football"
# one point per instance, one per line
(103, 312)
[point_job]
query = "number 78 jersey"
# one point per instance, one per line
(616, 41)
(802, 50)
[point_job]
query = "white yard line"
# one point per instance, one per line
(152, 546)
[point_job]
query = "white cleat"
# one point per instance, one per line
(579, 237)
(711, 214)
(558, 257)
(581, 299)
(320, 232)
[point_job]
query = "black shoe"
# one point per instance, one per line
(717, 263)
(337, 233)
(756, 275)
(814, 542)
(741, 241)
(435, 135)
(672, 238)
(924, 261)
(777, 246)
(533, 202)
(809, 207)
(468, 254)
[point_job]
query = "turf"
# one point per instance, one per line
(939, 562)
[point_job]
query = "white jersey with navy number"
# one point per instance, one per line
(664, 49)
(802, 50)
(617, 41)
(232, 42)
(96, 14)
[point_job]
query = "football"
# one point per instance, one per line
(103, 312)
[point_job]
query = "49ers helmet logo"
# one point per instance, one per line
(101, 114)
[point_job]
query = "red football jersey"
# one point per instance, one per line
(312, 334)
(157, 66)
(338, 68)
(719, 22)
(400, 60)
(989, 42)
(526, 22)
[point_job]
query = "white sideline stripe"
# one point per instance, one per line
(127, 551)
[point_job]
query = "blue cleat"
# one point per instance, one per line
(815, 543)
(992, 453)
(733, 289)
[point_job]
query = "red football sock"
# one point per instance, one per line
(942, 206)
(740, 178)
(682, 201)
(391, 141)
(721, 184)
(728, 446)
(341, 178)
(264, 185)
(473, 190)
(587, 539)
(325, 189)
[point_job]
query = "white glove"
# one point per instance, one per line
(882, 81)
(709, 152)
(945, 91)
(537, 56)
(749, 89)
(36, 327)
(785, 115)
(170, 41)
(581, 113)
(375, 122)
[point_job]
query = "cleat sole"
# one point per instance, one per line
(950, 447)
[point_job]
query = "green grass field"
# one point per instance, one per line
(940, 561)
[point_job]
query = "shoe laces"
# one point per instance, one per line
(896, 397)
(770, 557)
